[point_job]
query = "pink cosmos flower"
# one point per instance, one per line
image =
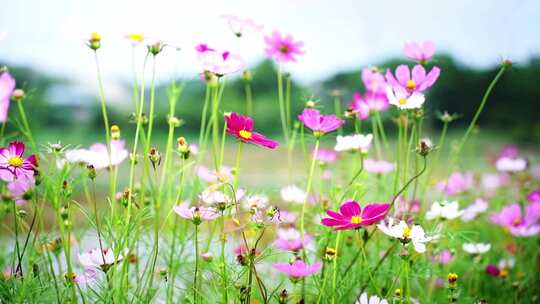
(374, 81)
(370, 103)
(283, 48)
(417, 81)
(240, 25)
(421, 52)
(98, 155)
(89, 275)
(219, 63)
(7, 85)
(286, 217)
(95, 258)
(290, 239)
(13, 164)
(211, 176)
(326, 156)
(377, 166)
(444, 257)
(196, 213)
(519, 224)
(493, 270)
(242, 128)
(242, 250)
(298, 269)
(20, 187)
(318, 123)
(457, 183)
(534, 196)
(472, 211)
(492, 181)
(510, 151)
(351, 216)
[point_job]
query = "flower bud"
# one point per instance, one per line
(207, 256)
(91, 172)
(115, 132)
(247, 76)
(18, 95)
(175, 121)
(183, 147)
(156, 47)
(329, 253)
(94, 42)
(397, 293)
(283, 296)
(310, 104)
(155, 157)
(452, 278)
(425, 147)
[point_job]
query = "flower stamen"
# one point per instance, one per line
(15, 161)
(356, 220)
(245, 134)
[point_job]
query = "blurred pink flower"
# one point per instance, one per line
(534, 196)
(417, 81)
(283, 48)
(472, 211)
(202, 47)
(377, 166)
(95, 258)
(197, 214)
(518, 223)
(510, 151)
(493, 270)
(242, 128)
(240, 25)
(89, 275)
(374, 81)
(219, 63)
(326, 156)
(507, 164)
(290, 239)
(13, 164)
(493, 181)
(351, 216)
(286, 217)
(298, 269)
(98, 155)
(7, 85)
(211, 176)
(318, 123)
(368, 104)
(421, 52)
(20, 187)
(444, 257)
(457, 183)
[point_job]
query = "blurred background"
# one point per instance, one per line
(43, 46)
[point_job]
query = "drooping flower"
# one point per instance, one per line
(298, 269)
(283, 48)
(377, 166)
(406, 234)
(419, 51)
(472, 211)
(353, 142)
(351, 216)
(457, 183)
(517, 223)
(507, 164)
(326, 156)
(318, 123)
(96, 258)
(363, 299)
(412, 82)
(7, 85)
(400, 98)
(98, 155)
(242, 128)
(369, 103)
(293, 194)
(476, 248)
(13, 164)
(445, 210)
(196, 214)
(290, 239)
(239, 26)
(219, 63)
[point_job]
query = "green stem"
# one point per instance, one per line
(281, 101)
(195, 277)
(308, 187)
(334, 276)
(249, 98)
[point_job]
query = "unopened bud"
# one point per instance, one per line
(115, 132)
(310, 104)
(247, 76)
(91, 171)
(183, 147)
(283, 296)
(156, 47)
(95, 41)
(155, 157)
(452, 278)
(18, 95)
(425, 147)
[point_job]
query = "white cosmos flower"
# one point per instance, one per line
(471, 212)
(212, 196)
(353, 142)
(293, 194)
(100, 259)
(372, 300)
(445, 210)
(476, 248)
(507, 164)
(405, 234)
(259, 201)
(402, 99)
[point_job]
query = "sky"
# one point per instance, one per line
(339, 35)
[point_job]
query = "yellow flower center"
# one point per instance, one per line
(245, 134)
(402, 101)
(517, 222)
(411, 85)
(136, 37)
(95, 37)
(356, 220)
(406, 232)
(15, 161)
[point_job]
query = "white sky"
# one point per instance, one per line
(338, 35)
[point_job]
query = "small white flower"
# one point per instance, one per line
(507, 164)
(293, 194)
(401, 231)
(372, 300)
(507, 263)
(476, 248)
(212, 196)
(471, 212)
(445, 210)
(256, 201)
(353, 142)
(403, 101)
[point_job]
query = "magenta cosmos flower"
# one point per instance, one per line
(367, 104)
(7, 85)
(242, 128)
(318, 123)
(351, 216)
(298, 269)
(13, 164)
(415, 81)
(283, 48)
(421, 52)
(518, 223)
(196, 214)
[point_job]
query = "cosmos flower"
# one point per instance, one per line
(210, 176)
(283, 48)
(239, 26)
(363, 299)
(374, 81)
(97, 155)
(95, 258)
(377, 166)
(89, 275)
(420, 52)
(444, 210)
(369, 103)
(493, 270)
(135, 38)
(493, 181)
(534, 196)
(351, 216)
(290, 239)
(212, 196)
(406, 234)
(412, 82)
(20, 188)
(476, 248)
(472, 211)
(286, 217)
(242, 128)
(510, 151)
(457, 183)
(326, 156)
(256, 201)
(7, 85)
(196, 214)
(518, 223)
(353, 142)
(318, 123)
(444, 257)
(293, 194)
(13, 164)
(298, 269)
(400, 98)
(507, 164)
(220, 63)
